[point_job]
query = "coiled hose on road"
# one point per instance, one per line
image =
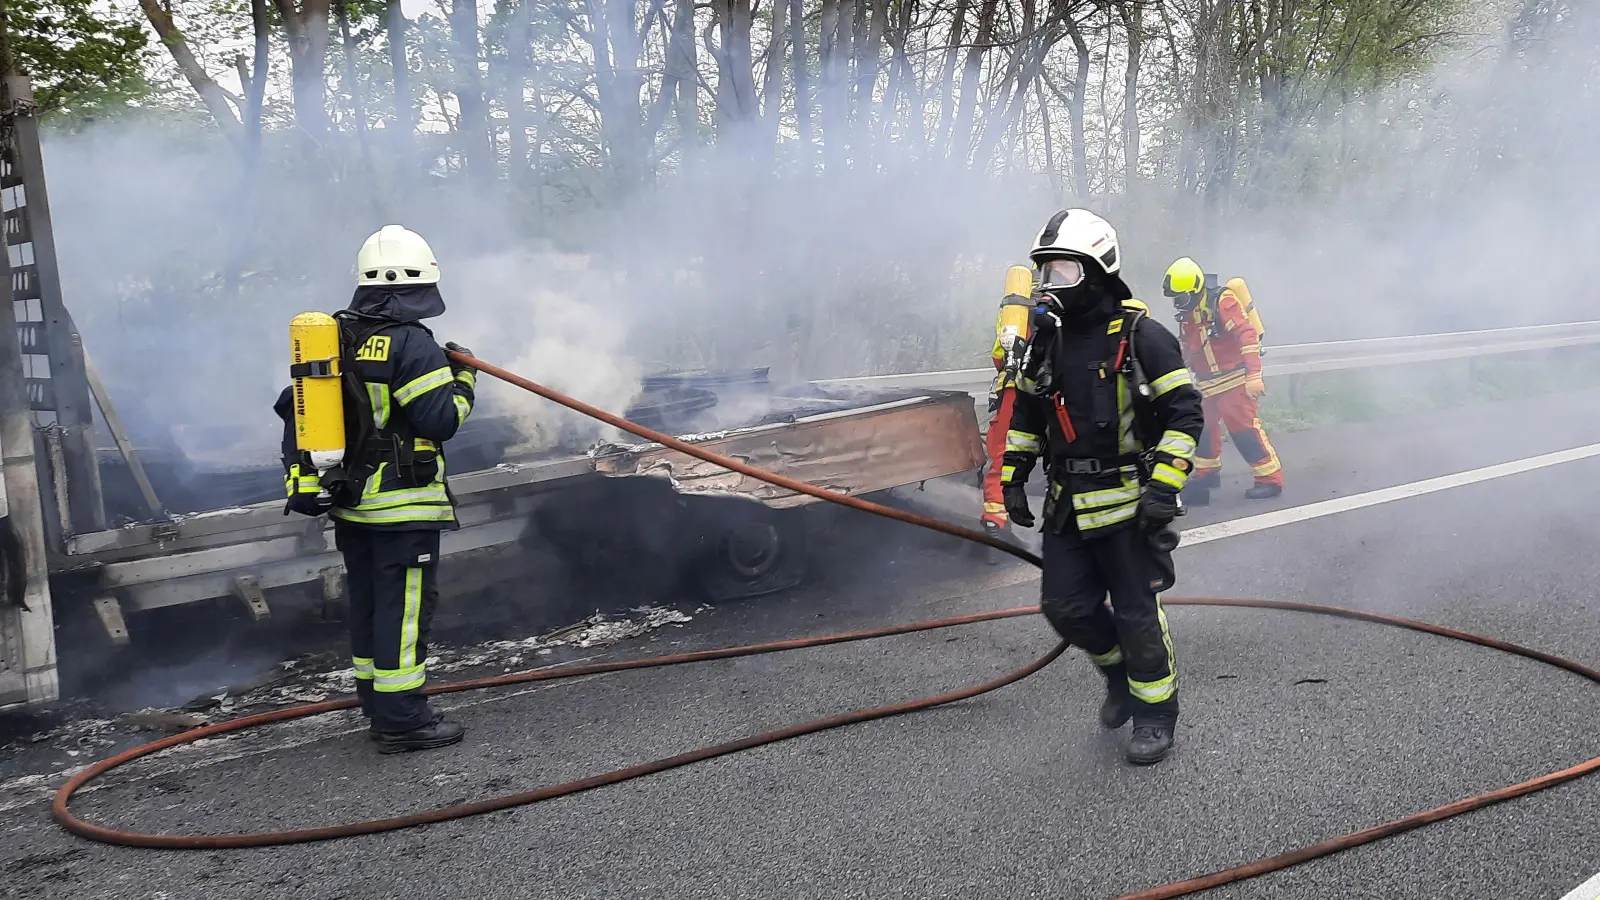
(1176, 889)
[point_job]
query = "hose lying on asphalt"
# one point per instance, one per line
(103, 834)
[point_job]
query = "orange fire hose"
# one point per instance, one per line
(1176, 889)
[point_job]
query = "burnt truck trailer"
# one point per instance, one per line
(720, 534)
(727, 531)
(96, 529)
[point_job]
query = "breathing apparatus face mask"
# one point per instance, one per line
(1068, 288)
(1061, 274)
(1185, 301)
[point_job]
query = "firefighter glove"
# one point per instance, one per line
(310, 504)
(1016, 498)
(457, 348)
(1255, 387)
(1158, 506)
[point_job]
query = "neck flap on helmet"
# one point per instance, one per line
(398, 303)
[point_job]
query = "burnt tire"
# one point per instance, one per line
(639, 534)
(752, 550)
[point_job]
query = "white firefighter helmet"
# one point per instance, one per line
(396, 255)
(1078, 232)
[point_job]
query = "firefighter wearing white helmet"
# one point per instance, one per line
(1109, 404)
(395, 255)
(403, 400)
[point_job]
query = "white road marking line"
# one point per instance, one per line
(1589, 890)
(1250, 524)
(1216, 531)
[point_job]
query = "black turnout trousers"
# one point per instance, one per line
(393, 590)
(1132, 635)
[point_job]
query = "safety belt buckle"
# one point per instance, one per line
(1083, 466)
(315, 368)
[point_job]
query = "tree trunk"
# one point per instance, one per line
(1212, 109)
(476, 141)
(961, 139)
(211, 93)
(352, 85)
(1013, 87)
(869, 62)
(772, 78)
(8, 63)
(255, 101)
(682, 76)
(1133, 21)
(1080, 87)
(615, 47)
(736, 86)
(1049, 139)
(947, 96)
(1028, 61)
(802, 80)
(519, 65)
(844, 48)
(307, 27)
(900, 74)
(860, 27)
(405, 119)
(832, 115)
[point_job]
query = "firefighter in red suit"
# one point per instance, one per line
(1011, 335)
(1222, 345)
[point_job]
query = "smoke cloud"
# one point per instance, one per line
(1459, 199)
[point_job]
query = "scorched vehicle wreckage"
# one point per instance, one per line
(97, 529)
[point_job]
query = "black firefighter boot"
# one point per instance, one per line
(1118, 705)
(437, 733)
(1260, 491)
(1152, 738)
(1198, 491)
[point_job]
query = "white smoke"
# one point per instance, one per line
(543, 315)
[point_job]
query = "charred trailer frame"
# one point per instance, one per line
(60, 563)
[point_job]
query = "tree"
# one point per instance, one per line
(86, 63)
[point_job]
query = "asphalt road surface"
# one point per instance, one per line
(1294, 728)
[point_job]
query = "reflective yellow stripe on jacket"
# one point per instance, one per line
(416, 387)
(1210, 387)
(429, 503)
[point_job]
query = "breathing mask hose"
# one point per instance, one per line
(103, 834)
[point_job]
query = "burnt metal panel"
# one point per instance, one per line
(855, 452)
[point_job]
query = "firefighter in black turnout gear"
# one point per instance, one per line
(1107, 399)
(403, 399)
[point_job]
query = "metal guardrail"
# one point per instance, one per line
(1300, 359)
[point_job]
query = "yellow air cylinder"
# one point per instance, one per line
(1016, 309)
(318, 394)
(1242, 291)
(1019, 283)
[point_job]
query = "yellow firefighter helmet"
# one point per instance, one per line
(1184, 277)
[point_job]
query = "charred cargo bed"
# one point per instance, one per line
(728, 534)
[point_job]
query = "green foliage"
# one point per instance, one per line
(86, 63)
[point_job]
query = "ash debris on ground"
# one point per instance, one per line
(83, 730)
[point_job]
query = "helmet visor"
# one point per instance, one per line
(1062, 273)
(1181, 297)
